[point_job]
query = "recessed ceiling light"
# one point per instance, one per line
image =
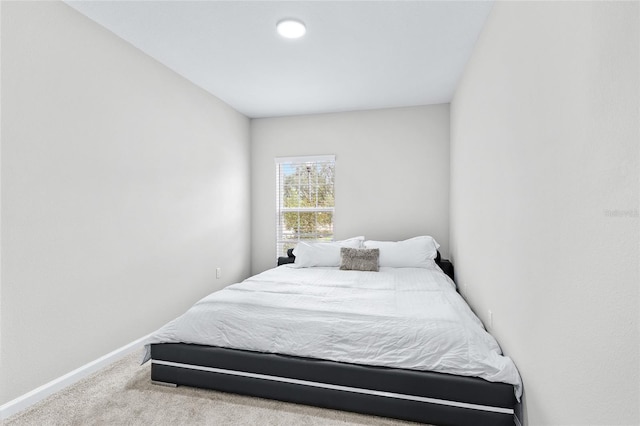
(291, 28)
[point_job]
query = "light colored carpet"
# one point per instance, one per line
(122, 394)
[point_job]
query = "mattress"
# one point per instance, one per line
(409, 318)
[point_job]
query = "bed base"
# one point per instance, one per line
(419, 396)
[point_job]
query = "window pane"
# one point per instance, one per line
(304, 187)
(325, 222)
(287, 246)
(307, 224)
(325, 187)
(290, 223)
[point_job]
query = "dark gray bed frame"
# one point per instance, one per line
(420, 396)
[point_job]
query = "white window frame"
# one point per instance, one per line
(280, 209)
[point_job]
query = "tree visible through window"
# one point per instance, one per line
(305, 200)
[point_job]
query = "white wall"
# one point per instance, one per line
(544, 202)
(392, 173)
(1, 97)
(123, 187)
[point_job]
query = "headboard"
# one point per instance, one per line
(444, 264)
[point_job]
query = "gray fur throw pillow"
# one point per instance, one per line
(359, 259)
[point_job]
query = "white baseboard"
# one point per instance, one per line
(28, 399)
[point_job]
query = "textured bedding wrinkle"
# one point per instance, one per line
(408, 318)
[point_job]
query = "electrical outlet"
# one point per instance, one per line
(218, 273)
(490, 318)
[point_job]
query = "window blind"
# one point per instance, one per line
(305, 202)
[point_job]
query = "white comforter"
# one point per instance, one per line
(399, 317)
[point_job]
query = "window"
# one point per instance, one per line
(304, 200)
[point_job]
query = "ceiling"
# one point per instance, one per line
(356, 55)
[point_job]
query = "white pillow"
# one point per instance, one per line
(322, 254)
(418, 252)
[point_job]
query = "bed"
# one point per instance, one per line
(398, 342)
